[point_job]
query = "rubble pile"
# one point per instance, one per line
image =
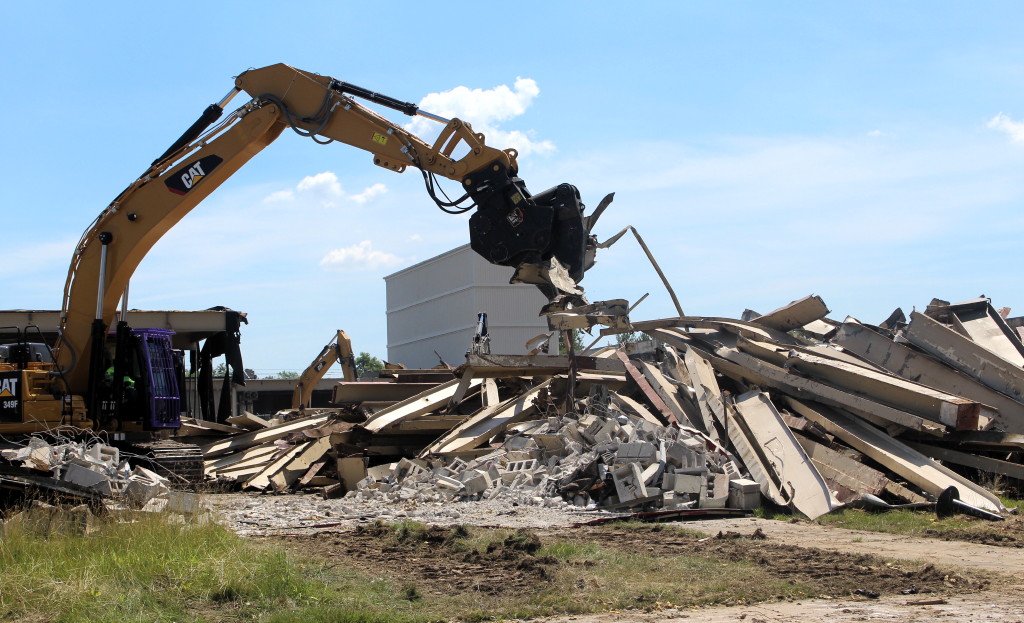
(91, 471)
(791, 406)
(589, 461)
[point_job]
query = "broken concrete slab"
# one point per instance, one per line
(919, 367)
(979, 321)
(254, 438)
(965, 355)
(488, 421)
(910, 464)
(786, 472)
(794, 315)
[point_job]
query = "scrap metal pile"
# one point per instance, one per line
(711, 413)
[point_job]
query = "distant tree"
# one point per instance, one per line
(629, 337)
(220, 370)
(250, 374)
(367, 364)
(577, 342)
(287, 374)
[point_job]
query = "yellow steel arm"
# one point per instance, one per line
(338, 349)
(509, 227)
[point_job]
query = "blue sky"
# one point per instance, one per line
(871, 153)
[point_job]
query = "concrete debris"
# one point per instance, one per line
(790, 407)
(89, 471)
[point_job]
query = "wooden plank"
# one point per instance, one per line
(896, 456)
(791, 474)
(255, 438)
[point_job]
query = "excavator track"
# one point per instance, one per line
(182, 463)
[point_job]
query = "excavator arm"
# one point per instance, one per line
(544, 236)
(339, 349)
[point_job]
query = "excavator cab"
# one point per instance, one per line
(140, 389)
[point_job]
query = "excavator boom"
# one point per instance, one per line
(542, 235)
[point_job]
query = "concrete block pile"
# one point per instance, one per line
(606, 460)
(92, 470)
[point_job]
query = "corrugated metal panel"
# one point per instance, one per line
(427, 280)
(433, 306)
(434, 317)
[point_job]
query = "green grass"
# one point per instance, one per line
(149, 569)
(156, 568)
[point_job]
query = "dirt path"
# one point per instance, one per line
(995, 605)
(946, 554)
(1003, 601)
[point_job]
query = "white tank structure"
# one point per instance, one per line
(433, 306)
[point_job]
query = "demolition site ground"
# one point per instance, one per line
(707, 570)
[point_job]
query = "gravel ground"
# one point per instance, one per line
(254, 514)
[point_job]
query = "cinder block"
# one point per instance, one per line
(652, 473)
(402, 470)
(744, 494)
(550, 443)
(683, 483)
(718, 493)
(475, 481)
(642, 452)
(629, 484)
(183, 502)
(447, 482)
(85, 477)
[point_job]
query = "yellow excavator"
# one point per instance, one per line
(128, 379)
(338, 350)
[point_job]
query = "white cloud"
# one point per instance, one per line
(371, 192)
(325, 182)
(360, 256)
(325, 190)
(1003, 123)
(280, 195)
(485, 109)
